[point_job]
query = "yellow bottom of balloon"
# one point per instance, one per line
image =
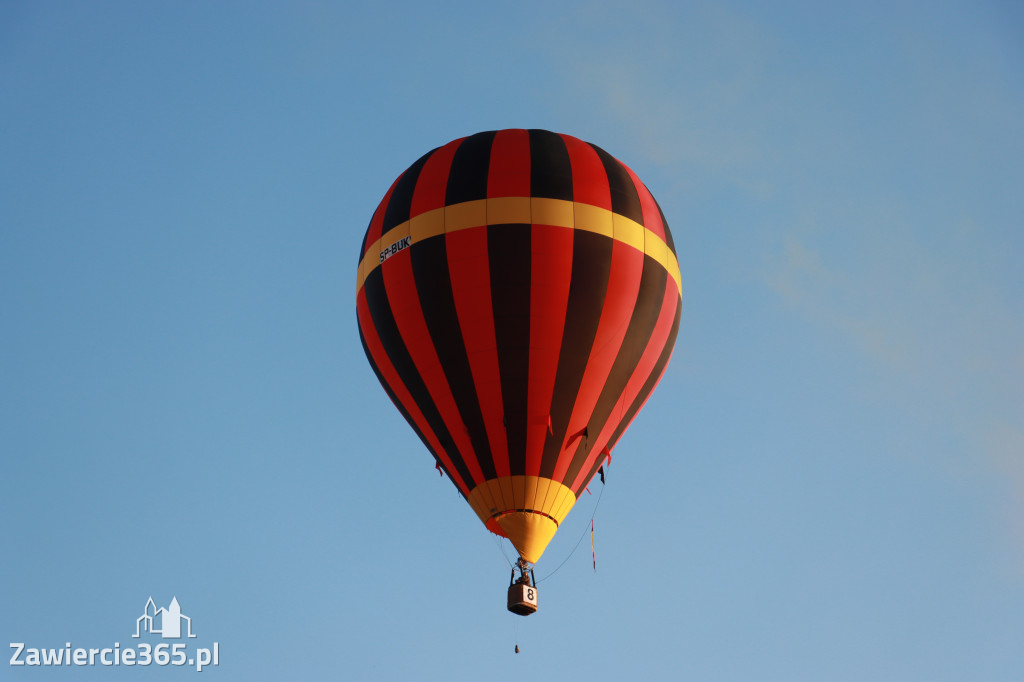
(525, 509)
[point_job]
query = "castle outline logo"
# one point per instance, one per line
(169, 620)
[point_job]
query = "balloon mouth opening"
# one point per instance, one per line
(528, 531)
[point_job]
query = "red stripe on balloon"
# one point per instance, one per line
(508, 174)
(551, 271)
(471, 290)
(589, 177)
(430, 188)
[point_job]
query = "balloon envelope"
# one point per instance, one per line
(518, 297)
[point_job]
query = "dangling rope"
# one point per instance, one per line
(497, 541)
(582, 535)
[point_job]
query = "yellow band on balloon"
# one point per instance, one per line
(525, 210)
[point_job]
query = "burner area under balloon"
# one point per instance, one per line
(522, 592)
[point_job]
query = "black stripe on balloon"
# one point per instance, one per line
(649, 301)
(400, 204)
(550, 167)
(394, 347)
(362, 249)
(467, 179)
(625, 200)
(591, 266)
(508, 250)
(401, 408)
(434, 287)
(641, 397)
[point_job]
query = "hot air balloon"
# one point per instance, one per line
(518, 297)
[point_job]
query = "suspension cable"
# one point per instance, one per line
(582, 535)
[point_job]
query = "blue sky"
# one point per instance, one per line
(828, 483)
